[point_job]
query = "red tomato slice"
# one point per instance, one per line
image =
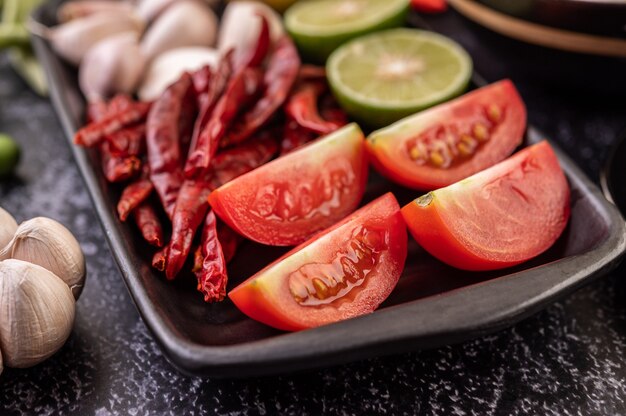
(346, 271)
(497, 218)
(289, 199)
(429, 6)
(444, 144)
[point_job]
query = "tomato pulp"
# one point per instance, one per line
(289, 199)
(497, 218)
(343, 272)
(444, 144)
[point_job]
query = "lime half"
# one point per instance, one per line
(320, 26)
(385, 76)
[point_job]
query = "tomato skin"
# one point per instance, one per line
(388, 147)
(291, 198)
(497, 218)
(429, 6)
(266, 296)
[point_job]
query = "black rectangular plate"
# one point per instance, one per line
(433, 304)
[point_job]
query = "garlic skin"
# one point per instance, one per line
(36, 313)
(113, 65)
(8, 227)
(169, 66)
(73, 39)
(240, 26)
(151, 9)
(184, 23)
(78, 9)
(47, 243)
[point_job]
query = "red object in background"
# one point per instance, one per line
(429, 6)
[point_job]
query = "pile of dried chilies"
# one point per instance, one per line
(206, 129)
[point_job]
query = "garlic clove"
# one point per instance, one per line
(47, 243)
(149, 10)
(72, 10)
(240, 26)
(73, 39)
(113, 65)
(36, 313)
(8, 227)
(193, 23)
(169, 66)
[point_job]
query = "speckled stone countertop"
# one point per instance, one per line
(567, 360)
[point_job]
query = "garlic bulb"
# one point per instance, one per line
(169, 66)
(151, 9)
(240, 25)
(36, 313)
(45, 242)
(1, 367)
(184, 23)
(8, 226)
(78, 9)
(73, 39)
(113, 65)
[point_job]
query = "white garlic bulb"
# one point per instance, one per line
(8, 226)
(36, 313)
(49, 244)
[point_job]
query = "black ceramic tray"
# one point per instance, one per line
(613, 175)
(432, 305)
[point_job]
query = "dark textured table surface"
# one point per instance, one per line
(567, 360)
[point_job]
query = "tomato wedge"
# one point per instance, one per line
(497, 218)
(343, 272)
(289, 199)
(444, 144)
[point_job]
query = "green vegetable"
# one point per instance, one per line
(9, 155)
(13, 35)
(24, 62)
(16, 39)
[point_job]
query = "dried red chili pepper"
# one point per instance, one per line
(164, 131)
(114, 121)
(234, 162)
(312, 73)
(190, 209)
(302, 108)
(229, 240)
(214, 90)
(212, 277)
(97, 110)
(133, 196)
(149, 224)
(117, 168)
(294, 136)
(192, 202)
(331, 111)
(158, 260)
(256, 56)
(201, 79)
(240, 92)
(281, 73)
(129, 141)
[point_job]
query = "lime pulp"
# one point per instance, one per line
(385, 76)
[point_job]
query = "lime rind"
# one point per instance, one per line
(378, 102)
(317, 44)
(316, 18)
